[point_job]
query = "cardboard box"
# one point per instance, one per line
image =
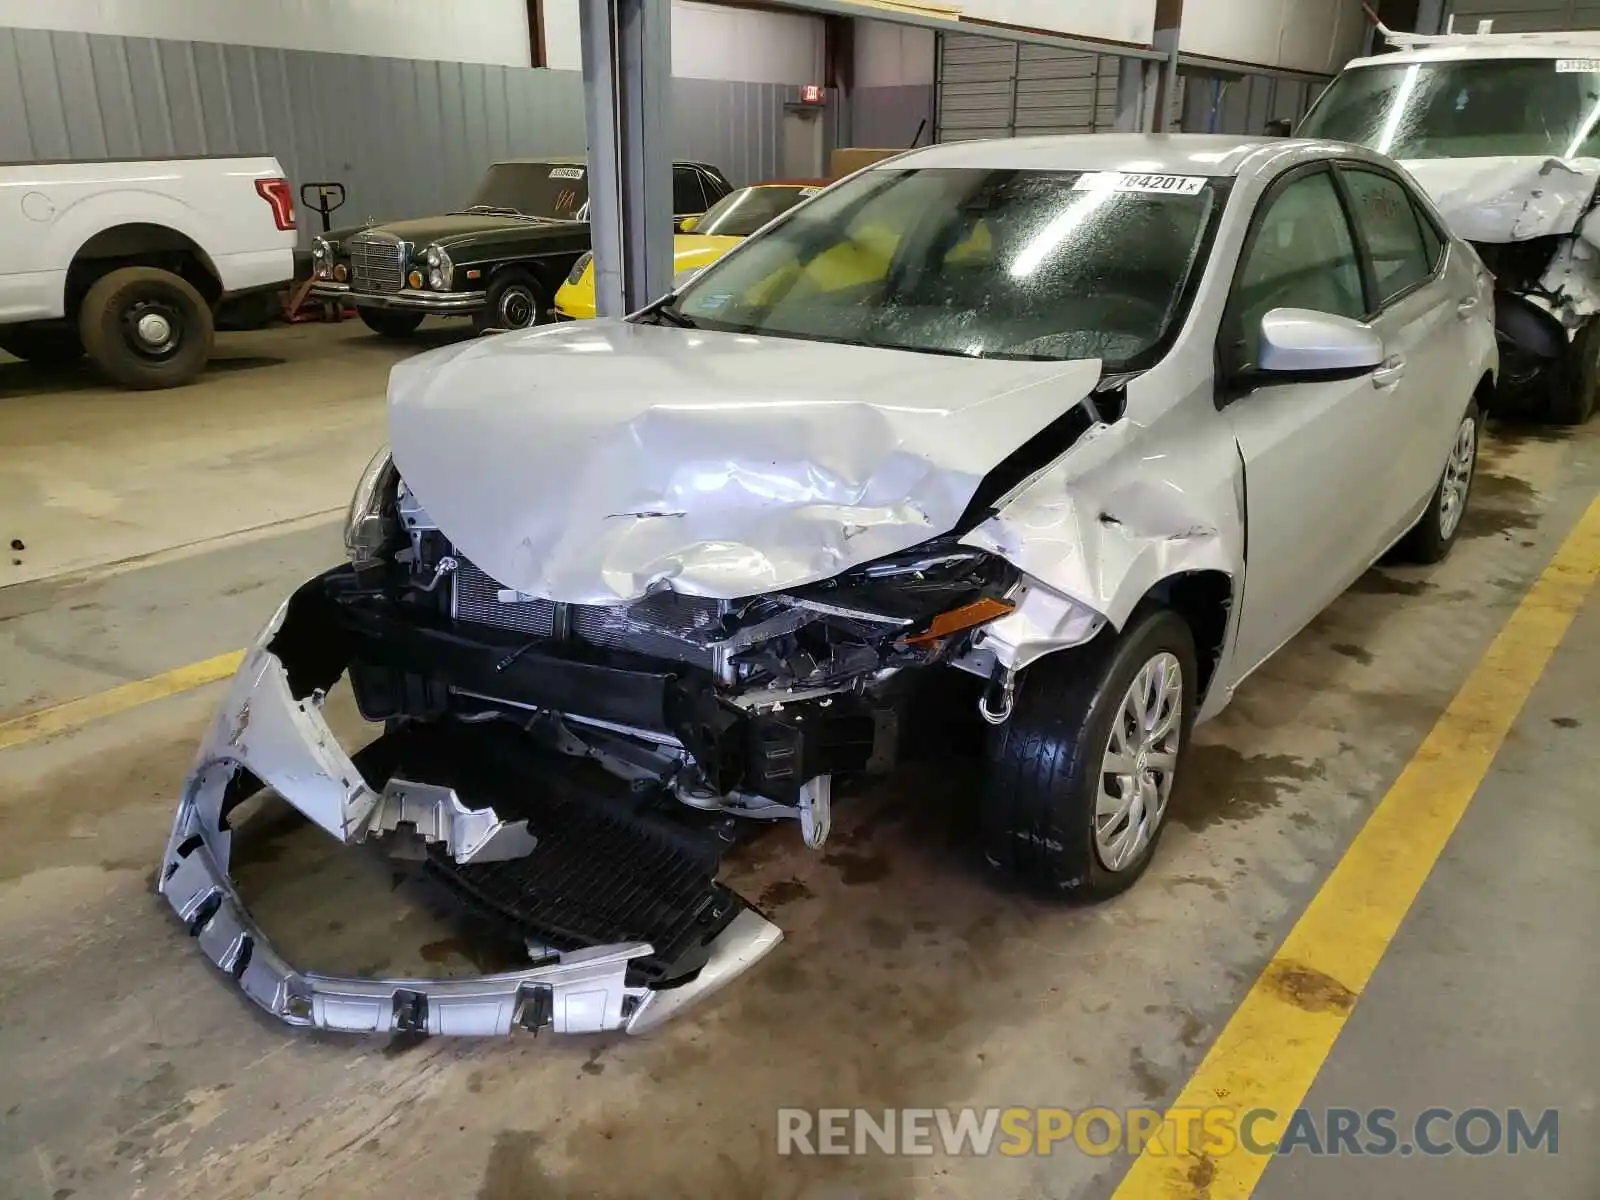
(852, 158)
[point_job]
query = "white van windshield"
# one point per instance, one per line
(1479, 109)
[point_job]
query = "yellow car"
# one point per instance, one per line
(702, 240)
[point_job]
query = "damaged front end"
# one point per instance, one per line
(576, 772)
(1535, 226)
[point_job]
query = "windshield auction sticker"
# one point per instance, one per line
(566, 172)
(1119, 181)
(1575, 66)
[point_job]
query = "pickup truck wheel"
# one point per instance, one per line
(515, 301)
(1430, 539)
(51, 346)
(146, 328)
(1081, 773)
(1576, 390)
(390, 322)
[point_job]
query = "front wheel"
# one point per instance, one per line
(146, 328)
(515, 301)
(1575, 392)
(1081, 774)
(1430, 539)
(394, 323)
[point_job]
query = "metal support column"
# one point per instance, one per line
(1136, 94)
(627, 77)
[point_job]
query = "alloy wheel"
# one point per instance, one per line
(1140, 762)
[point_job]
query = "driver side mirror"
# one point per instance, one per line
(1302, 345)
(1279, 127)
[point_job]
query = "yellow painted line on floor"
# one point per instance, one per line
(73, 714)
(1270, 1051)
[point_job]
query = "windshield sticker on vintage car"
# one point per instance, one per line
(809, 191)
(566, 172)
(716, 301)
(1118, 181)
(1577, 66)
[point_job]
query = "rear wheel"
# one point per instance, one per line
(1081, 774)
(390, 322)
(45, 345)
(515, 301)
(1430, 539)
(146, 328)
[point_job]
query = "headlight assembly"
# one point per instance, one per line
(321, 258)
(369, 525)
(579, 267)
(439, 268)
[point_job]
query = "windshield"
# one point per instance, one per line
(741, 213)
(992, 264)
(1478, 109)
(534, 189)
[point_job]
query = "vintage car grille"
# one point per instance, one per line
(377, 263)
(665, 625)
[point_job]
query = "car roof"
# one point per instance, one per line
(1468, 47)
(1215, 155)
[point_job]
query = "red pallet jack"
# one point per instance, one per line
(323, 199)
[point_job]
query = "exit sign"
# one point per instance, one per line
(811, 93)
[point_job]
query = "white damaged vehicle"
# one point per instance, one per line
(1091, 426)
(1503, 130)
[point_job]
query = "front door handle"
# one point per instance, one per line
(1392, 371)
(1467, 307)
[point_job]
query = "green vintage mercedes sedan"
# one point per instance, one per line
(498, 260)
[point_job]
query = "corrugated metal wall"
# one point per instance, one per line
(1243, 106)
(993, 88)
(405, 137)
(1528, 16)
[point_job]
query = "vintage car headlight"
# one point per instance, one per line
(369, 524)
(439, 268)
(580, 266)
(321, 259)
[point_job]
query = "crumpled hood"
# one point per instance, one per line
(1508, 199)
(586, 463)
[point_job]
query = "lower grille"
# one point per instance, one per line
(665, 625)
(376, 263)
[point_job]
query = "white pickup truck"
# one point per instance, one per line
(131, 262)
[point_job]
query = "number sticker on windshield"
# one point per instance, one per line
(1576, 66)
(1117, 181)
(566, 172)
(805, 192)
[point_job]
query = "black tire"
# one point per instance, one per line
(1574, 393)
(1430, 539)
(516, 300)
(111, 321)
(394, 323)
(1045, 763)
(43, 345)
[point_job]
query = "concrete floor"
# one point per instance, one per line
(906, 978)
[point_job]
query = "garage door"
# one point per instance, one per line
(992, 88)
(1530, 16)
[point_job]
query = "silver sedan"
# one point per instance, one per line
(1091, 425)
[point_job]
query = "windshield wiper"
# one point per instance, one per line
(673, 317)
(495, 209)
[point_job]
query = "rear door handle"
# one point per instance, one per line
(1467, 307)
(1392, 371)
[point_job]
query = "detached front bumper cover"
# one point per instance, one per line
(287, 744)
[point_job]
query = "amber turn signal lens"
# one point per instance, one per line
(340, 273)
(415, 279)
(957, 619)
